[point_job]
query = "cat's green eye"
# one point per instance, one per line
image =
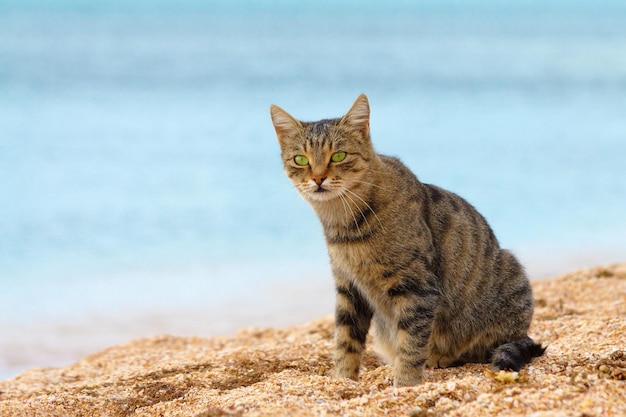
(338, 156)
(301, 160)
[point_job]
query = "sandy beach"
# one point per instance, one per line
(580, 316)
(156, 260)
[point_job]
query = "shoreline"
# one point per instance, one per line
(581, 316)
(49, 342)
(61, 341)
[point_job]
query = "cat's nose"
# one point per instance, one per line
(319, 180)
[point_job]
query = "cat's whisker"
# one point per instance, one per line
(348, 210)
(375, 170)
(356, 222)
(369, 207)
(291, 217)
(371, 183)
(343, 204)
(356, 205)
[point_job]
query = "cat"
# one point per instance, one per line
(416, 260)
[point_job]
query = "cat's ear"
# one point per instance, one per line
(358, 117)
(284, 123)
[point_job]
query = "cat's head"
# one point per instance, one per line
(329, 158)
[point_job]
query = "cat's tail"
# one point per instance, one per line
(513, 355)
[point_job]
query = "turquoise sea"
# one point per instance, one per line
(141, 189)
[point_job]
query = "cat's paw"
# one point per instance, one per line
(400, 381)
(348, 375)
(441, 361)
(348, 370)
(407, 379)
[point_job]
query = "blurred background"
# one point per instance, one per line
(141, 189)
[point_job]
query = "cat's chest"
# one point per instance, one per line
(363, 255)
(358, 264)
(355, 258)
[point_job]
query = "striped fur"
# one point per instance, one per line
(417, 261)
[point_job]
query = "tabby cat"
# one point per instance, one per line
(417, 260)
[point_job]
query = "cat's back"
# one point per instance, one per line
(397, 183)
(441, 209)
(460, 236)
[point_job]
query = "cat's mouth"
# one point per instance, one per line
(323, 194)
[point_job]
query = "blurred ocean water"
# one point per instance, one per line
(141, 190)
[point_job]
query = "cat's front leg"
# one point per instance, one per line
(415, 303)
(352, 321)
